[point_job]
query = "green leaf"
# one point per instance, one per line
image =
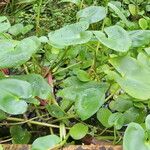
(70, 35)
(103, 115)
(46, 142)
(56, 111)
(116, 36)
(92, 14)
(4, 24)
(40, 87)
(20, 135)
(134, 76)
(133, 9)
(119, 13)
(121, 103)
(15, 53)
(13, 93)
(140, 38)
(89, 101)
(130, 142)
(116, 120)
(131, 115)
(78, 131)
(16, 29)
(3, 115)
(82, 75)
(143, 23)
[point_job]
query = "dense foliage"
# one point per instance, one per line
(73, 70)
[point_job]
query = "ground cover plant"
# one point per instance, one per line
(75, 71)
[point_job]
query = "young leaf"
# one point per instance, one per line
(82, 75)
(46, 142)
(116, 36)
(143, 23)
(20, 135)
(16, 53)
(70, 35)
(92, 14)
(78, 131)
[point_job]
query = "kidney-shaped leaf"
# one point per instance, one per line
(70, 35)
(46, 142)
(13, 92)
(14, 53)
(118, 39)
(92, 14)
(134, 138)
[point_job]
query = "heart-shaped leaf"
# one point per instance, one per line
(70, 35)
(141, 142)
(92, 14)
(13, 53)
(116, 37)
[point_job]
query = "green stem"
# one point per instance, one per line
(95, 57)
(33, 122)
(38, 17)
(65, 69)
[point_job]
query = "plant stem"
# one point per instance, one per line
(64, 69)
(5, 141)
(38, 17)
(33, 122)
(93, 67)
